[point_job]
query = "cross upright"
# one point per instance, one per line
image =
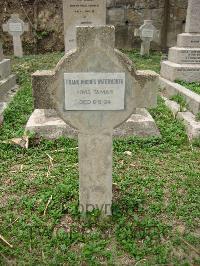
(147, 33)
(95, 88)
(16, 27)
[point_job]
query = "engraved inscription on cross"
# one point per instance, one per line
(147, 33)
(95, 88)
(16, 27)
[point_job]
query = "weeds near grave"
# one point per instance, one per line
(181, 101)
(193, 86)
(196, 142)
(151, 62)
(42, 34)
(156, 194)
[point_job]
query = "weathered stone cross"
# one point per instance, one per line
(147, 33)
(95, 89)
(16, 27)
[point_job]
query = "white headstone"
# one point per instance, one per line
(16, 27)
(147, 33)
(95, 89)
(81, 13)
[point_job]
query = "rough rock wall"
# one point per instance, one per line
(167, 15)
(46, 21)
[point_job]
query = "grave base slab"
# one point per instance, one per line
(185, 72)
(5, 100)
(192, 126)
(170, 89)
(188, 40)
(181, 55)
(5, 68)
(6, 85)
(52, 127)
(2, 108)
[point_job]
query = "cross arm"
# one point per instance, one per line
(41, 83)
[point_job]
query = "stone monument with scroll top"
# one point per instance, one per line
(81, 13)
(95, 89)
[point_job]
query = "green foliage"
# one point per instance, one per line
(42, 34)
(196, 142)
(181, 101)
(155, 194)
(193, 86)
(151, 62)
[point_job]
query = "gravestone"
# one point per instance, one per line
(16, 27)
(147, 33)
(193, 13)
(94, 89)
(81, 13)
(7, 82)
(184, 59)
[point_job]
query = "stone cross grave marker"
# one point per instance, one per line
(94, 89)
(81, 13)
(147, 33)
(16, 27)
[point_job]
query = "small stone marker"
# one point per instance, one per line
(184, 59)
(147, 33)
(95, 89)
(16, 27)
(81, 13)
